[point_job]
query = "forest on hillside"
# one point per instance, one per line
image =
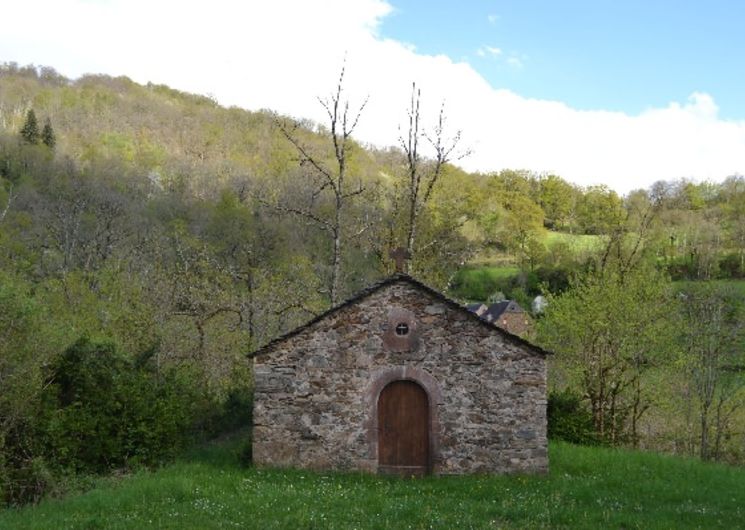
(150, 239)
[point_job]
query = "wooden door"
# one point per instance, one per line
(403, 429)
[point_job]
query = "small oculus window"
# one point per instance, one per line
(402, 329)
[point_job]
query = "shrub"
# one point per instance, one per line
(25, 476)
(555, 279)
(569, 420)
(102, 412)
(730, 266)
(237, 410)
(246, 455)
(476, 283)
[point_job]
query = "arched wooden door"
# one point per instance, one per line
(403, 429)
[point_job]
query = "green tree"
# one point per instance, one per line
(712, 335)
(523, 230)
(30, 129)
(48, 137)
(558, 200)
(607, 329)
(600, 210)
(25, 348)
(732, 197)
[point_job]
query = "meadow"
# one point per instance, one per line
(737, 286)
(577, 243)
(493, 272)
(586, 488)
(477, 283)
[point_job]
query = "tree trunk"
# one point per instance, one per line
(704, 449)
(411, 237)
(336, 265)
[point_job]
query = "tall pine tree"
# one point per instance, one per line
(30, 129)
(47, 135)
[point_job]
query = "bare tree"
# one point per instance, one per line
(712, 336)
(627, 241)
(8, 202)
(328, 180)
(423, 174)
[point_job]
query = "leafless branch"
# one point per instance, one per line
(11, 196)
(357, 117)
(307, 158)
(422, 179)
(326, 225)
(334, 180)
(359, 191)
(295, 305)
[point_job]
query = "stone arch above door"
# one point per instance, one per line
(383, 378)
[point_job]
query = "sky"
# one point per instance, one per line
(598, 92)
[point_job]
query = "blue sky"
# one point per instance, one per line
(621, 93)
(625, 55)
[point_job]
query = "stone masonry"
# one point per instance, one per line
(517, 323)
(317, 388)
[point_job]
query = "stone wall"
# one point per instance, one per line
(516, 322)
(315, 404)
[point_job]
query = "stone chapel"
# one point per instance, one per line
(401, 379)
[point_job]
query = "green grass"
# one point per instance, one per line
(490, 273)
(587, 488)
(737, 285)
(478, 283)
(578, 243)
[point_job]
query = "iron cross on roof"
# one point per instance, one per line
(400, 255)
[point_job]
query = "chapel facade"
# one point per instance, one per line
(401, 379)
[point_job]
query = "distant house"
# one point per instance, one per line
(479, 309)
(507, 315)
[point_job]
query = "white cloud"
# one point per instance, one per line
(492, 18)
(515, 62)
(490, 50)
(282, 54)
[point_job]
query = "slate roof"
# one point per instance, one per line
(495, 310)
(478, 308)
(390, 280)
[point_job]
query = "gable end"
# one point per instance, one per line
(391, 280)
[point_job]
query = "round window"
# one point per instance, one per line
(402, 329)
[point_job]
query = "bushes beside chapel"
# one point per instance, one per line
(102, 410)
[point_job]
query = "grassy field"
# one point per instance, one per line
(737, 285)
(479, 282)
(587, 488)
(577, 243)
(490, 273)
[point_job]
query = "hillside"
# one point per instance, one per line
(190, 144)
(586, 488)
